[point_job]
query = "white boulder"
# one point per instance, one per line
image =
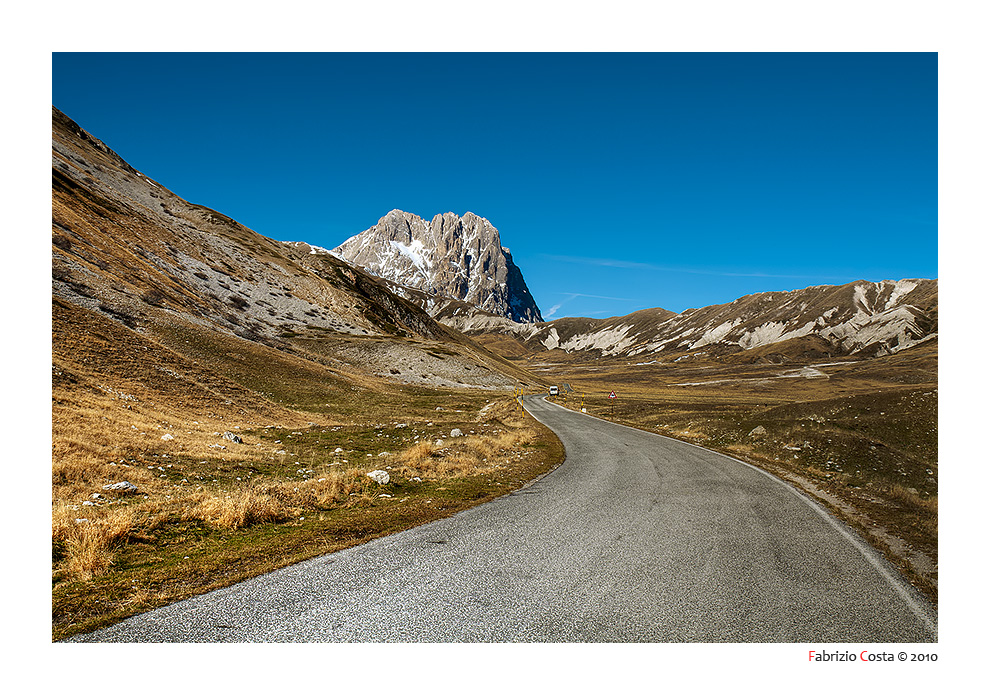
(380, 477)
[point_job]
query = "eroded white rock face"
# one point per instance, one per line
(450, 256)
(552, 340)
(878, 317)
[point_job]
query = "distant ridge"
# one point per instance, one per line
(864, 318)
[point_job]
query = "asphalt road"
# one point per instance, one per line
(634, 538)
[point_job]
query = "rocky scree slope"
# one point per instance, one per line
(863, 318)
(448, 258)
(125, 247)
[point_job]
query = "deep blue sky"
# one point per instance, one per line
(619, 181)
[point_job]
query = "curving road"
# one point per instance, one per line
(635, 538)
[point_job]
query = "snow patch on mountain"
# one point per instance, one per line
(313, 250)
(416, 254)
(803, 373)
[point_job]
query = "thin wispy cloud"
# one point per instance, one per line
(570, 296)
(633, 265)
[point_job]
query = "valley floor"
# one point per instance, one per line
(858, 435)
(164, 409)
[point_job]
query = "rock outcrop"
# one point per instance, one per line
(449, 257)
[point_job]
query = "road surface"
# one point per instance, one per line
(634, 538)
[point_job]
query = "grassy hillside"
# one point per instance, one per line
(177, 332)
(208, 511)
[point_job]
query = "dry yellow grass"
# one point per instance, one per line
(258, 512)
(275, 501)
(238, 510)
(90, 544)
(332, 487)
(93, 433)
(92, 438)
(114, 398)
(471, 456)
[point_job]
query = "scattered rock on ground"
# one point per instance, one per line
(123, 486)
(380, 477)
(456, 433)
(167, 437)
(758, 431)
(233, 437)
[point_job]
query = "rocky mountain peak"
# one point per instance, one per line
(451, 256)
